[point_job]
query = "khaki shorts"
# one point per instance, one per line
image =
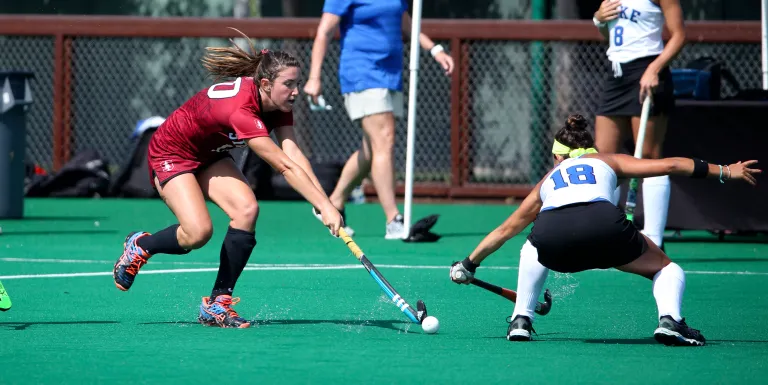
(373, 101)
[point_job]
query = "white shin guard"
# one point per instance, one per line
(668, 289)
(530, 281)
(655, 207)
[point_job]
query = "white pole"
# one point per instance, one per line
(765, 44)
(414, 67)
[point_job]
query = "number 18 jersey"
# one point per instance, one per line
(578, 180)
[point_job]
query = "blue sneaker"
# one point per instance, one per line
(219, 312)
(128, 265)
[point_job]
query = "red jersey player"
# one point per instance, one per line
(189, 161)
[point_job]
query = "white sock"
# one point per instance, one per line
(530, 281)
(668, 288)
(655, 207)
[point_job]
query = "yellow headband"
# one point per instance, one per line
(561, 149)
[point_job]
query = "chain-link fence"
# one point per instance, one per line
(514, 95)
(118, 81)
(517, 106)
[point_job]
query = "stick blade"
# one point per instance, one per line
(547, 305)
(421, 310)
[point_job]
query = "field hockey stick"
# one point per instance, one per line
(634, 182)
(541, 308)
(416, 315)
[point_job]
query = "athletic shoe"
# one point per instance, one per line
(348, 229)
(396, 228)
(520, 329)
(673, 333)
(128, 265)
(5, 300)
(218, 312)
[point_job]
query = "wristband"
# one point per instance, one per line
(436, 50)
(597, 23)
(700, 169)
(469, 265)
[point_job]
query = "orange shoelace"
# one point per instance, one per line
(227, 303)
(136, 263)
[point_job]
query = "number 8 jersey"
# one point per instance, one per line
(637, 31)
(578, 180)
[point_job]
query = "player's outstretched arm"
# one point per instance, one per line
(286, 137)
(631, 167)
(513, 225)
(266, 149)
(517, 222)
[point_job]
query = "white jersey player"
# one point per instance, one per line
(636, 32)
(639, 66)
(576, 227)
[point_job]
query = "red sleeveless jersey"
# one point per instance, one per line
(207, 126)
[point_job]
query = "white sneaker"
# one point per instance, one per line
(396, 228)
(348, 229)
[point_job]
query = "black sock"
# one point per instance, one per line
(162, 242)
(235, 252)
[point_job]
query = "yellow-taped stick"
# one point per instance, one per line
(351, 244)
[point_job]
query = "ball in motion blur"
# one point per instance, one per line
(430, 325)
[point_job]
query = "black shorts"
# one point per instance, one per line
(584, 236)
(621, 96)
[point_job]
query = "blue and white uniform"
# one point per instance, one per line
(636, 33)
(579, 226)
(635, 41)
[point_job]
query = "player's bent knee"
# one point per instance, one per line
(196, 236)
(245, 215)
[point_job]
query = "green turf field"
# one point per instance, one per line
(321, 319)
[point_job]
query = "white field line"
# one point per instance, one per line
(256, 267)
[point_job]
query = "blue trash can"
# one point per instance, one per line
(15, 97)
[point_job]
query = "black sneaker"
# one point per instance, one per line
(673, 333)
(520, 329)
